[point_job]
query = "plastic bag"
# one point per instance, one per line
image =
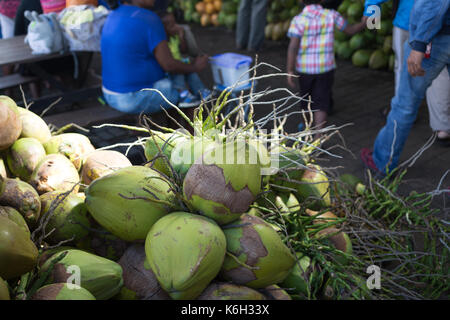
(44, 33)
(82, 26)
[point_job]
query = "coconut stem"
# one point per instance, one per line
(240, 262)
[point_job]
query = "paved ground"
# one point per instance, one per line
(359, 94)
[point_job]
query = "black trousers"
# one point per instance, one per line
(320, 88)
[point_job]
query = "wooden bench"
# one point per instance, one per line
(14, 51)
(14, 80)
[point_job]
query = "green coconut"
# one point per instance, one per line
(165, 142)
(391, 64)
(187, 152)
(13, 215)
(229, 291)
(101, 163)
(10, 123)
(48, 253)
(387, 45)
(268, 31)
(357, 41)
(33, 126)
(139, 281)
(185, 252)
(74, 146)
(257, 257)
(343, 7)
(62, 291)
(378, 60)
(55, 173)
(361, 58)
(301, 277)
(103, 243)
(22, 197)
(274, 292)
(355, 10)
(314, 188)
(23, 157)
(338, 239)
(18, 254)
(344, 51)
(129, 201)
(226, 183)
(291, 167)
(4, 291)
(68, 216)
(100, 276)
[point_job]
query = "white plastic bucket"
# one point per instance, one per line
(229, 68)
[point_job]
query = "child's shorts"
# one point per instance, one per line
(319, 87)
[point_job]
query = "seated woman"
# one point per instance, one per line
(136, 56)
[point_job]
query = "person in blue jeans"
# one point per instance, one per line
(429, 24)
(250, 24)
(136, 56)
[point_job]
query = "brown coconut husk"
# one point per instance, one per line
(102, 162)
(139, 278)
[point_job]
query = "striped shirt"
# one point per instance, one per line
(315, 28)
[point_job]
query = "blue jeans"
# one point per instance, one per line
(144, 101)
(193, 81)
(250, 24)
(405, 105)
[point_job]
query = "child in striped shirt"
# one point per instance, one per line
(311, 55)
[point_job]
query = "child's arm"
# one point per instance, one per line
(293, 47)
(352, 29)
(183, 45)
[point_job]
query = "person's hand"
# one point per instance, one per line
(179, 30)
(364, 20)
(201, 62)
(290, 80)
(415, 64)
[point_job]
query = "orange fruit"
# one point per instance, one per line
(209, 9)
(200, 7)
(217, 5)
(215, 19)
(205, 20)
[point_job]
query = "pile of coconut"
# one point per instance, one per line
(187, 224)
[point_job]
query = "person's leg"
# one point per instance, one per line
(257, 24)
(321, 95)
(178, 81)
(195, 84)
(147, 101)
(405, 105)
(243, 23)
(305, 82)
(399, 37)
(152, 101)
(438, 99)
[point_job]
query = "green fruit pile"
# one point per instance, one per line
(279, 16)
(78, 223)
(370, 48)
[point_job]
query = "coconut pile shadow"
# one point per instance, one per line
(221, 209)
